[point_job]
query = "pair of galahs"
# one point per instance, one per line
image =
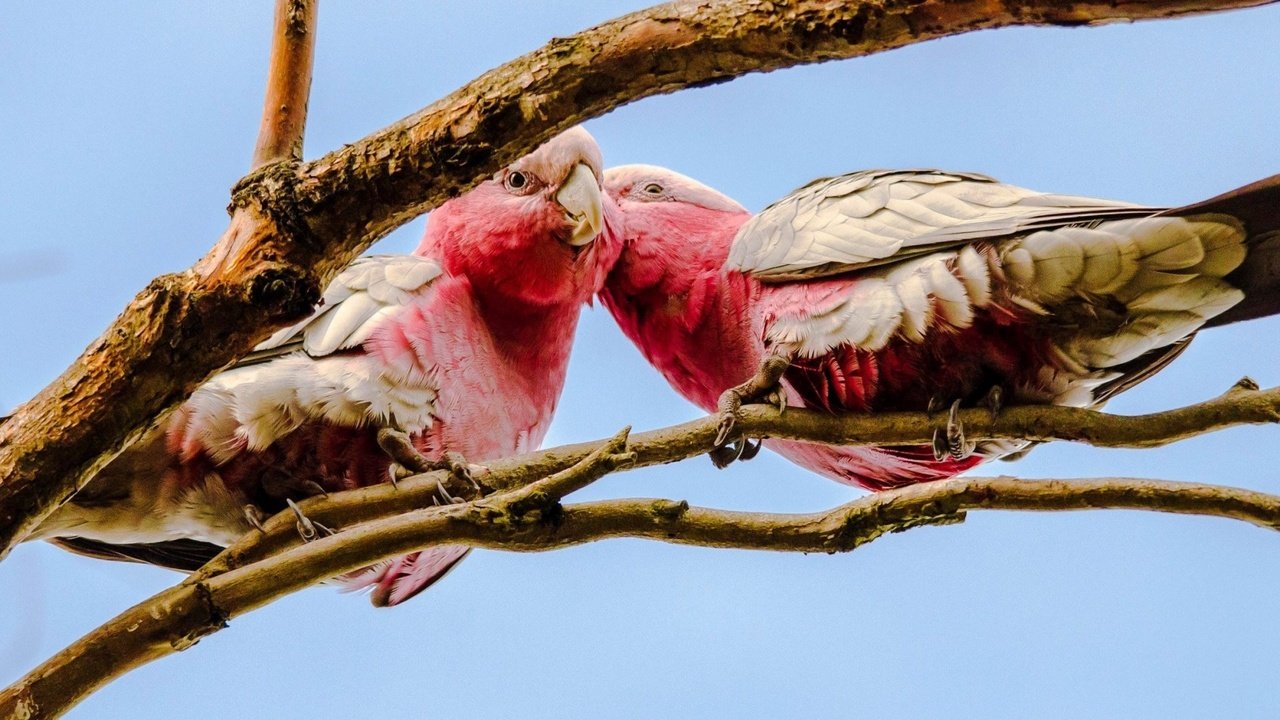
(874, 291)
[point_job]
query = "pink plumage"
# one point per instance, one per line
(903, 290)
(462, 345)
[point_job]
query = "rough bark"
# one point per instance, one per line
(293, 226)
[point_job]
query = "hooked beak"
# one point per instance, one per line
(582, 203)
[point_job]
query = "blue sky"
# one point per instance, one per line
(123, 126)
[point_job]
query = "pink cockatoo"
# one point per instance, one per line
(462, 346)
(914, 290)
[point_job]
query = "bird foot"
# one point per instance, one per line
(308, 528)
(740, 449)
(765, 387)
(255, 517)
(406, 461)
(949, 442)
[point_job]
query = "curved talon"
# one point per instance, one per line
(949, 442)
(397, 445)
(940, 449)
(957, 447)
(444, 494)
(458, 466)
(307, 528)
(994, 400)
(728, 405)
(313, 488)
(727, 421)
(724, 456)
(764, 385)
(741, 449)
(935, 404)
(254, 517)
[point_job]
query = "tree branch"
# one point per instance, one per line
(524, 514)
(1242, 404)
(177, 618)
(294, 227)
(284, 110)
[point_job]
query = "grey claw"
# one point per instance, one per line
(957, 447)
(397, 445)
(458, 466)
(935, 404)
(307, 528)
(254, 516)
(940, 449)
(444, 493)
(749, 449)
(313, 488)
(726, 426)
(995, 400)
(723, 457)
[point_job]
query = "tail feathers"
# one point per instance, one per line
(1257, 206)
(181, 554)
(395, 581)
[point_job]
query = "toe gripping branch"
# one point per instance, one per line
(764, 385)
(406, 461)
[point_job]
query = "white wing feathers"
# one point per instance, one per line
(934, 247)
(357, 301)
(276, 389)
(867, 218)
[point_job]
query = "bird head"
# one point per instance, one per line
(534, 231)
(667, 222)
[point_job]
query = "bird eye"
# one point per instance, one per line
(516, 181)
(653, 189)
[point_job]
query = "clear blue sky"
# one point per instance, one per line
(124, 124)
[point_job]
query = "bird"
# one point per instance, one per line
(923, 290)
(454, 354)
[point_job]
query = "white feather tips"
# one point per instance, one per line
(362, 297)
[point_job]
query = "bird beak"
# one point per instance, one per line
(580, 197)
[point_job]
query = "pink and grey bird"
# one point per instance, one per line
(911, 290)
(462, 346)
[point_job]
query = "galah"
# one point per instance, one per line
(461, 346)
(917, 290)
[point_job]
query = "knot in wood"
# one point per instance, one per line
(272, 191)
(284, 292)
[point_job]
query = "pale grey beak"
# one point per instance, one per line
(583, 205)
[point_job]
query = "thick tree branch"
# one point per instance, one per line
(176, 618)
(284, 110)
(294, 227)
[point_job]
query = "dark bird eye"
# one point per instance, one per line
(516, 180)
(653, 189)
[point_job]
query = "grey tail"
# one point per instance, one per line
(1257, 205)
(182, 554)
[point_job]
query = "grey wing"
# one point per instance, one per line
(875, 217)
(368, 291)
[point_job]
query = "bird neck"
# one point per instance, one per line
(531, 336)
(688, 316)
